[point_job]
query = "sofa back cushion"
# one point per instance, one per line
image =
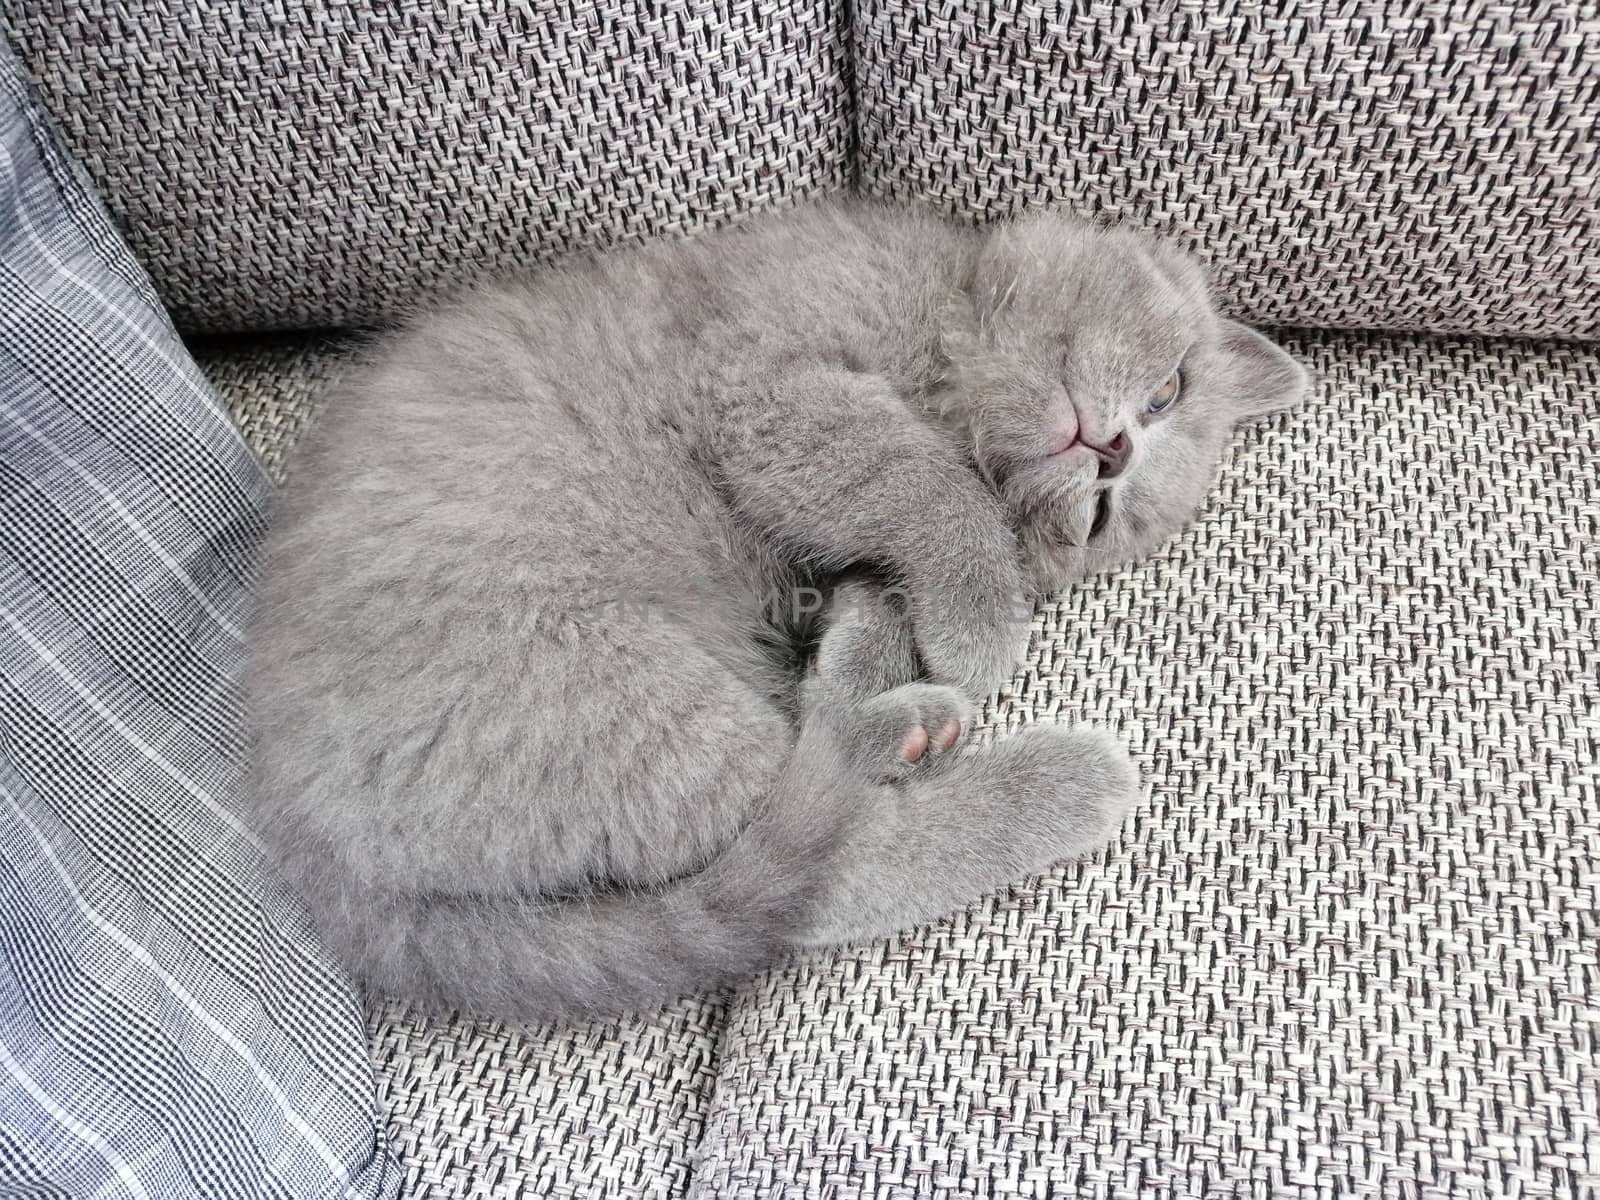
(319, 163)
(1338, 164)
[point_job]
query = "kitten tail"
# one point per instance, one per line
(531, 959)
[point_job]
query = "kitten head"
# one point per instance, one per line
(1097, 388)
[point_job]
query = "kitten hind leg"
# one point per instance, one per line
(866, 649)
(862, 683)
(933, 844)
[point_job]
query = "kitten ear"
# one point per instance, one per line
(1265, 378)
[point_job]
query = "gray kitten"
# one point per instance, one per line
(530, 735)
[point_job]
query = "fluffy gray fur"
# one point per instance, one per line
(528, 741)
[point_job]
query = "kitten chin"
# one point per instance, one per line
(1051, 564)
(1064, 547)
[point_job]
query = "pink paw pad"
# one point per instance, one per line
(918, 740)
(915, 744)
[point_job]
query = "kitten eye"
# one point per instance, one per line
(1167, 394)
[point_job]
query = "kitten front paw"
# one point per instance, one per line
(908, 729)
(975, 656)
(971, 624)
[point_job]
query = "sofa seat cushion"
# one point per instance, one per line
(1346, 946)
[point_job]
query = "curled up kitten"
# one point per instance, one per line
(528, 741)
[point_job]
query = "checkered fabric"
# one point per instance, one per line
(319, 163)
(1432, 165)
(168, 1027)
(1345, 948)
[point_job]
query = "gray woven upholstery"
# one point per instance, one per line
(613, 1109)
(317, 163)
(272, 386)
(1361, 164)
(1346, 948)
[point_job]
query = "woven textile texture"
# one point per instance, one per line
(479, 1110)
(169, 1027)
(318, 163)
(612, 1109)
(1349, 945)
(1430, 166)
(272, 386)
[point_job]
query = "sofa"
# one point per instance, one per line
(1349, 945)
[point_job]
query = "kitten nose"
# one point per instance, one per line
(1114, 455)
